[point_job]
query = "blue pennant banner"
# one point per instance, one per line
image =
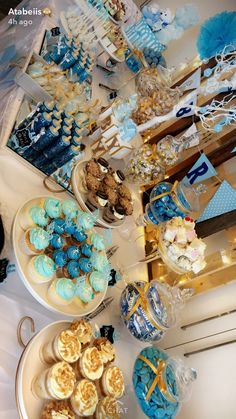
(200, 171)
(223, 201)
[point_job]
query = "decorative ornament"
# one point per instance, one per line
(216, 33)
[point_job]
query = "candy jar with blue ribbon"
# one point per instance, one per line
(150, 309)
(168, 201)
(161, 383)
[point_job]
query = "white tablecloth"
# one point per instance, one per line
(19, 183)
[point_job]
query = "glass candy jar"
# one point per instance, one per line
(150, 309)
(144, 166)
(168, 201)
(161, 383)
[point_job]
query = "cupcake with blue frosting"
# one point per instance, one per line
(79, 235)
(86, 221)
(52, 207)
(35, 241)
(70, 227)
(86, 250)
(60, 258)
(99, 262)
(69, 209)
(97, 242)
(57, 226)
(41, 269)
(83, 291)
(98, 281)
(33, 217)
(73, 252)
(85, 265)
(72, 269)
(61, 291)
(57, 241)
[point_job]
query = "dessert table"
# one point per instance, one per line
(17, 184)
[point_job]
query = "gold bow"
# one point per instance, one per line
(172, 192)
(158, 380)
(143, 302)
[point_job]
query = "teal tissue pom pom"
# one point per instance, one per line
(216, 33)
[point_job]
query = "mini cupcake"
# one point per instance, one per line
(103, 165)
(119, 177)
(86, 250)
(99, 262)
(84, 399)
(64, 347)
(60, 258)
(90, 364)
(96, 200)
(33, 217)
(83, 330)
(69, 227)
(72, 269)
(79, 235)
(86, 221)
(113, 214)
(57, 241)
(52, 207)
(57, 226)
(112, 382)
(85, 265)
(110, 181)
(57, 410)
(124, 192)
(107, 408)
(34, 241)
(112, 195)
(98, 281)
(41, 269)
(69, 209)
(93, 168)
(73, 252)
(106, 350)
(84, 293)
(97, 241)
(61, 291)
(126, 205)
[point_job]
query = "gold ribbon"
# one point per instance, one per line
(158, 380)
(143, 302)
(172, 192)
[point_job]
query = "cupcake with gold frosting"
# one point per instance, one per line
(107, 408)
(57, 410)
(106, 350)
(84, 398)
(113, 382)
(90, 364)
(83, 330)
(64, 347)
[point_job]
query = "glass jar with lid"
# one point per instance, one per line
(168, 201)
(161, 383)
(150, 309)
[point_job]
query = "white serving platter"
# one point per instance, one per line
(39, 291)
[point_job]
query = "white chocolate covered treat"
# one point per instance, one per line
(84, 398)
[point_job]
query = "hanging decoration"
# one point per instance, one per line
(223, 201)
(200, 171)
(216, 33)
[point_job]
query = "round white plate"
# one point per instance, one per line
(30, 365)
(39, 291)
(81, 197)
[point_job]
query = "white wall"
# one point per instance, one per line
(185, 48)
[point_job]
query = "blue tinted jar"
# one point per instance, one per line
(168, 201)
(173, 386)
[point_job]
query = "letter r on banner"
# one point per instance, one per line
(200, 171)
(195, 173)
